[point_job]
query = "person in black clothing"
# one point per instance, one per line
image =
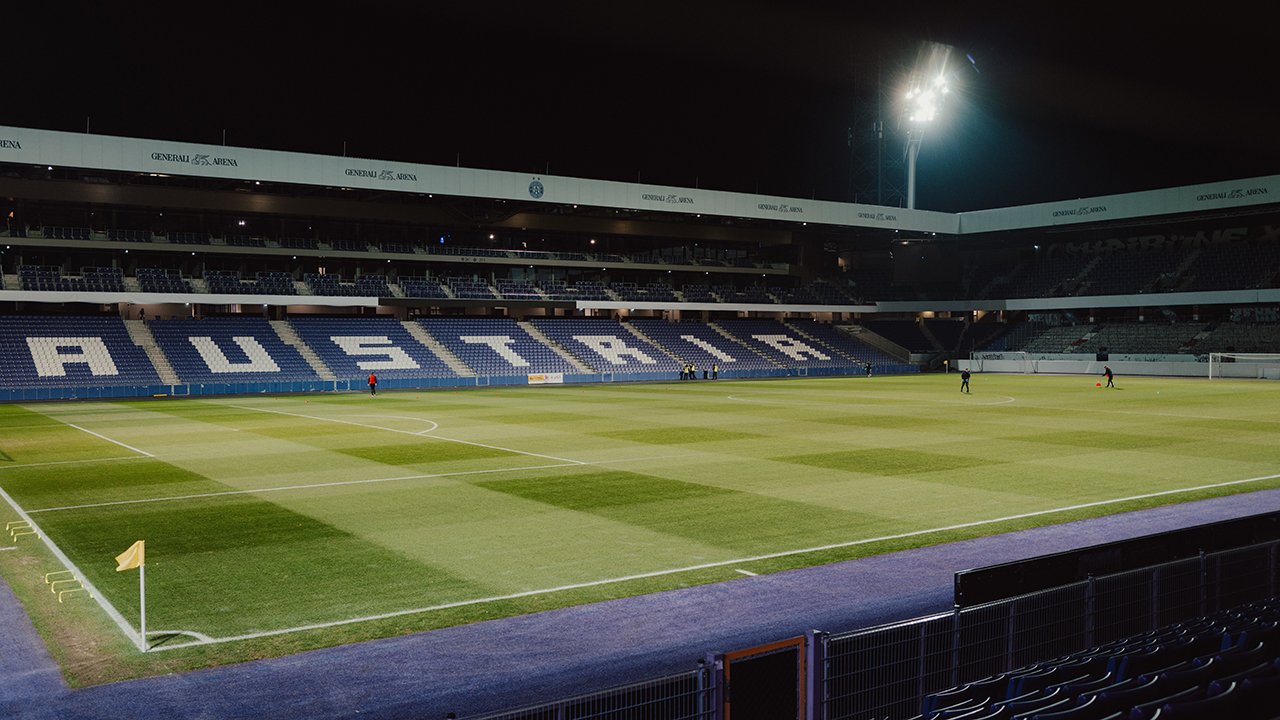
(1110, 376)
(715, 371)
(964, 380)
(867, 367)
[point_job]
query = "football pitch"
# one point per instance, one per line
(278, 524)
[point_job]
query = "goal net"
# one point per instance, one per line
(1244, 365)
(1008, 361)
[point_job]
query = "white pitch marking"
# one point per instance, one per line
(104, 437)
(432, 429)
(199, 636)
(69, 462)
(748, 573)
(706, 566)
(407, 432)
(283, 488)
(340, 483)
(97, 595)
(2, 549)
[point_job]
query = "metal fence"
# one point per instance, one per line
(688, 696)
(885, 672)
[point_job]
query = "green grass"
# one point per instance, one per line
(278, 524)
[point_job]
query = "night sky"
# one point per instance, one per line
(742, 96)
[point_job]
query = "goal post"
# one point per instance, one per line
(1008, 361)
(1264, 366)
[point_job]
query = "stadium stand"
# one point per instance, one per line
(43, 351)
(702, 345)
(495, 346)
(352, 347)
(422, 287)
(1224, 665)
(91, 279)
(607, 345)
(784, 346)
(228, 350)
(904, 333)
(843, 344)
(160, 280)
(471, 288)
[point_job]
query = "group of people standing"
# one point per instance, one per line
(689, 371)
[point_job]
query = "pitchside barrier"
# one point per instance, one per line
(886, 672)
(1175, 365)
(112, 392)
(997, 582)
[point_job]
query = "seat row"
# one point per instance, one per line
(1222, 666)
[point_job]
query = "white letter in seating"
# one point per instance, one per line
(51, 355)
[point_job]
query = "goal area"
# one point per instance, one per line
(1263, 366)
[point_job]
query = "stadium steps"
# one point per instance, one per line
(131, 284)
(141, 336)
(537, 334)
(877, 341)
(455, 363)
(300, 287)
(395, 290)
(933, 339)
(744, 344)
(198, 285)
(287, 335)
(12, 282)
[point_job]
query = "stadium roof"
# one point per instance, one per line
(745, 97)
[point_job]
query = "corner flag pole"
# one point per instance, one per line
(135, 557)
(142, 600)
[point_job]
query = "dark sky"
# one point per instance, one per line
(745, 96)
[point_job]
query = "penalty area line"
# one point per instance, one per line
(407, 432)
(100, 436)
(343, 483)
(707, 566)
(71, 462)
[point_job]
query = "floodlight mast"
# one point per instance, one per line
(923, 101)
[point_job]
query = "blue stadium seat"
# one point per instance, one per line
(353, 347)
(229, 350)
(61, 351)
(495, 346)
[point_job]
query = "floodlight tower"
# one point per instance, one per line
(924, 100)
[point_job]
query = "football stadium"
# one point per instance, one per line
(292, 433)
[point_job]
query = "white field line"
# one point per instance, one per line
(104, 437)
(72, 462)
(340, 483)
(97, 595)
(711, 565)
(2, 549)
(407, 432)
(284, 488)
(854, 401)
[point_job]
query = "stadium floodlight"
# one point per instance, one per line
(927, 89)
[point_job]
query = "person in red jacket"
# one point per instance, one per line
(373, 384)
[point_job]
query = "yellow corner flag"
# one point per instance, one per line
(131, 558)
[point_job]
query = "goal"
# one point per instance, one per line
(1265, 366)
(1009, 361)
